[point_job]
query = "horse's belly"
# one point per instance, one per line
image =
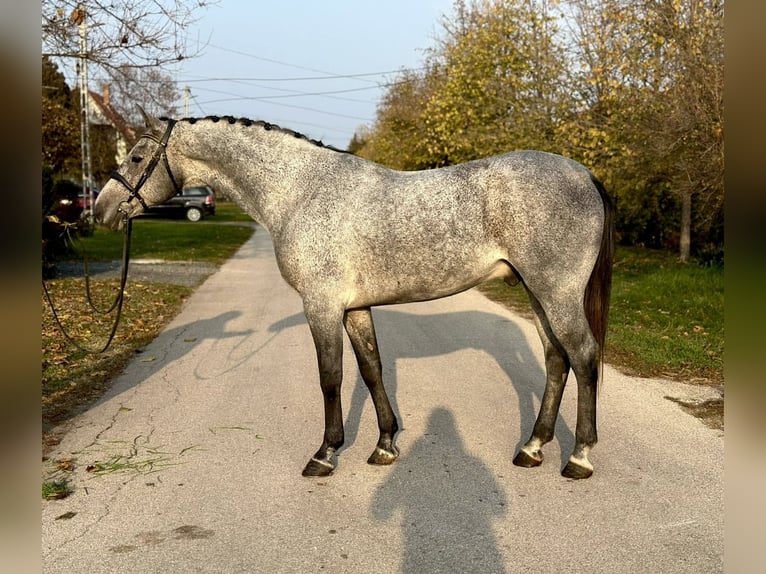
(429, 283)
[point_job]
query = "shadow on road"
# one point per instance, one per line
(177, 342)
(499, 338)
(447, 499)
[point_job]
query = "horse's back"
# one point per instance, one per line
(392, 236)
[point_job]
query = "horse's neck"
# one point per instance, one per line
(263, 171)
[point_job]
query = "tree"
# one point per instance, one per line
(492, 84)
(151, 88)
(60, 121)
(632, 89)
(399, 138)
(688, 128)
(651, 113)
(123, 35)
(130, 45)
(501, 89)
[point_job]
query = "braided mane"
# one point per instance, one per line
(259, 123)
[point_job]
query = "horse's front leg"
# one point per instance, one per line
(361, 332)
(327, 331)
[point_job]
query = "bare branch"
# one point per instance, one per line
(121, 35)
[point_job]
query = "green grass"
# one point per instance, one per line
(666, 318)
(228, 211)
(56, 489)
(170, 239)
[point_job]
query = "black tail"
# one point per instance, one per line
(599, 288)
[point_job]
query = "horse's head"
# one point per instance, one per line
(143, 179)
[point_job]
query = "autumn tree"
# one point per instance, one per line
(131, 34)
(632, 89)
(650, 112)
(492, 83)
(501, 80)
(685, 122)
(399, 139)
(151, 88)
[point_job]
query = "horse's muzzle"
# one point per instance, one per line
(110, 214)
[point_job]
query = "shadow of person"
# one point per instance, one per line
(447, 499)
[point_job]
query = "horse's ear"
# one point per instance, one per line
(148, 120)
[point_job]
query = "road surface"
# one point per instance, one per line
(192, 462)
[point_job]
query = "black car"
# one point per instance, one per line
(193, 202)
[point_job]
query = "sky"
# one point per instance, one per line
(264, 60)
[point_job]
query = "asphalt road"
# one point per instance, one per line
(192, 461)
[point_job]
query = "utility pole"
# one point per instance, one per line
(79, 17)
(187, 97)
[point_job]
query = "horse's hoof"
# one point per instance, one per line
(316, 467)
(526, 460)
(380, 456)
(576, 471)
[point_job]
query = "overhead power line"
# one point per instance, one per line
(326, 75)
(255, 98)
(298, 78)
(294, 93)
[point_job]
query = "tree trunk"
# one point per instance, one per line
(686, 226)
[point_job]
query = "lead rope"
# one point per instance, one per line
(116, 304)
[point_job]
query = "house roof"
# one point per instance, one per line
(112, 117)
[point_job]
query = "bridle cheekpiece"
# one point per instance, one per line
(159, 154)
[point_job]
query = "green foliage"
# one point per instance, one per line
(649, 216)
(56, 489)
(493, 84)
(499, 82)
(399, 139)
(632, 90)
(60, 121)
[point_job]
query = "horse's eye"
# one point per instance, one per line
(136, 159)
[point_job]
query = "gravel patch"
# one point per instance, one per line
(188, 273)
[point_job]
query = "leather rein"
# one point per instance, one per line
(160, 154)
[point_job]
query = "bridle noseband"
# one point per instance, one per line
(159, 154)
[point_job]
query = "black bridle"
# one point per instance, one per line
(159, 154)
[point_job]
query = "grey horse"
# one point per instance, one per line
(350, 234)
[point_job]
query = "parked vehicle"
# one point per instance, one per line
(194, 203)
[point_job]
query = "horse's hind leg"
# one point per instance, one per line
(361, 332)
(571, 329)
(328, 338)
(587, 373)
(557, 371)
